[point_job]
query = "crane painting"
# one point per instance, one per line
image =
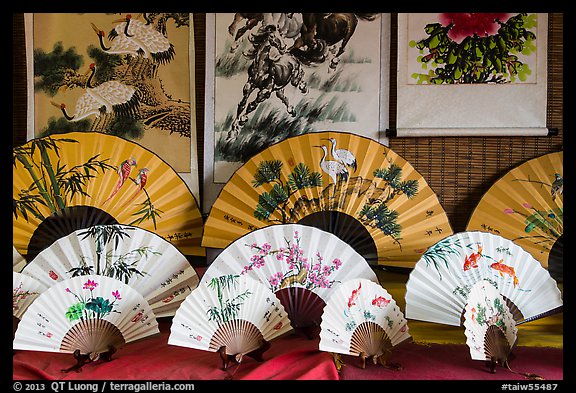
(137, 85)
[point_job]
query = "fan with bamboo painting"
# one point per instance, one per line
(25, 290)
(233, 315)
(65, 182)
(140, 258)
(526, 205)
(439, 285)
(348, 185)
(362, 319)
(88, 316)
(301, 264)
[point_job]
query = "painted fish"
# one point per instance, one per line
(471, 261)
(505, 269)
(380, 301)
(354, 296)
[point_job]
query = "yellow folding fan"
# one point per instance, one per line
(345, 184)
(70, 181)
(526, 206)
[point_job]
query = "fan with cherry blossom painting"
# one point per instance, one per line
(301, 264)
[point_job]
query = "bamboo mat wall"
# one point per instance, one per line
(459, 169)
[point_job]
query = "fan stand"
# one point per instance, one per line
(381, 359)
(256, 354)
(82, 359)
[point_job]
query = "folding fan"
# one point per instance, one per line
(65, 182)
(301, 264)
(18, 261)
(233, 315)
(439, 285)
(88, 316)
(490, 327)
(362, 319)
(142, 259)
(25, 290)
(526, 206)
(346, 184)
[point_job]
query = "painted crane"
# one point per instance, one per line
(336, 170)
(108, 97)
(342, 155)
(133, 37)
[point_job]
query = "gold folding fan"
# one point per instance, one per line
(526, 206)
(75, 180)
(140, 258)
(345, 184)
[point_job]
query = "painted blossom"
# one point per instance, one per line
(466, 24)
(90, 284)
(116, 295)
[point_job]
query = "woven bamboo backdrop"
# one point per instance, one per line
(459, 169)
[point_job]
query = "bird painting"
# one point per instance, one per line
(342, 155)
(336, 170)
(133, 37)
(140, 182)
(557, 186)
(123, 174)
(107, 97)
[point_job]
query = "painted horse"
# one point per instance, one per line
(271, 71)
(321, 31)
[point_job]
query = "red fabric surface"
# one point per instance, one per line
(453, 362)
(289, 357)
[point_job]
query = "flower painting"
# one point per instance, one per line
(455, 48)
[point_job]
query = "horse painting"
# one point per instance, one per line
(272, 69)
(320, 32)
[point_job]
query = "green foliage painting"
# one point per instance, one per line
(476, 48)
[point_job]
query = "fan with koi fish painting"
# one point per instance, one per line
(439, 285)
(362, 319)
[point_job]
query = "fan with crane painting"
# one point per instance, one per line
(345, 184)
(25, 290)
(301, 264)
(439, 285)
(64, 182)
(526, 206)
(88, 316)
(233, 315)
(362, 319)
(140, 258)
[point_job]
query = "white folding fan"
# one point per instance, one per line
(439, 285)
(362, 319)
(140, 258)
(70, 181)
(233, 315)
(25, 290)
(88, 316)
(301, 264)
(346, 184)
(18, 261)
(490, 327)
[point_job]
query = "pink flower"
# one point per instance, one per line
(470, 24)
(527, 205)
(116, 295)
(337, 263)
(509, 211)
(90, 284)
(68, 290)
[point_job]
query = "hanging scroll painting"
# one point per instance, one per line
(129, 75)
(473, 74)
(270, 76)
